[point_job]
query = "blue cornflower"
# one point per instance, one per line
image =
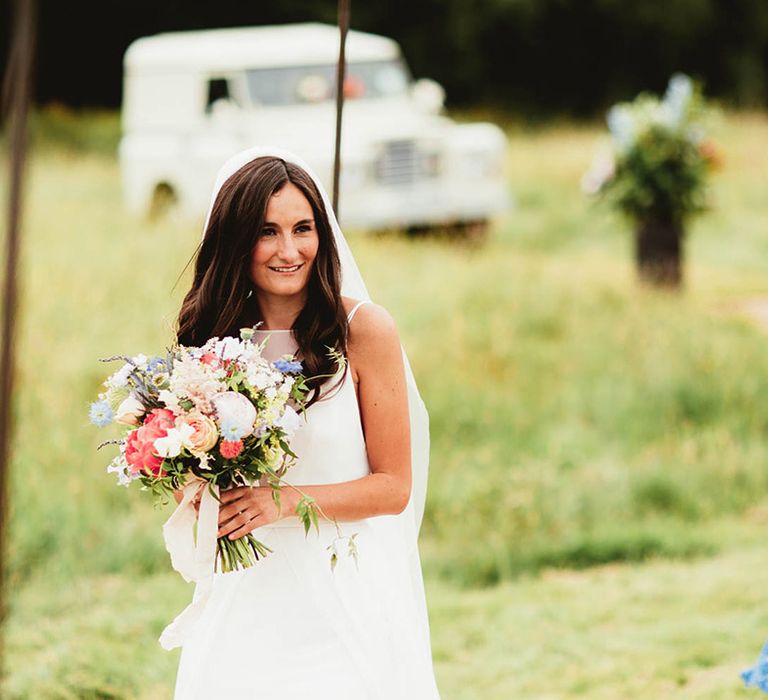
(100, 413)
(287, 366)
(758, 674)
(156, 364)
(231, 431)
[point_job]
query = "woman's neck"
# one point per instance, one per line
(278, 313)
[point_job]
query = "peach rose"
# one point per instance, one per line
(206, 434)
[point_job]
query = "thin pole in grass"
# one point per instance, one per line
(15, 104)
(343, 12)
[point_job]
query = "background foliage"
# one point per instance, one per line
(534, 56)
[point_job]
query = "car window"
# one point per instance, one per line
(218, 89)
(290, 85)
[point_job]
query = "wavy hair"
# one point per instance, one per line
(219, 302)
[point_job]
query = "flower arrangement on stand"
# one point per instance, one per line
(656, 173)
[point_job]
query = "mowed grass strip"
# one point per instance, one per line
(673, 630)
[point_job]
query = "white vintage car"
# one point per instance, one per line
(192, 99)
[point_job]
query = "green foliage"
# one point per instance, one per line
(661, 159)
(660, 176)
(306, 511)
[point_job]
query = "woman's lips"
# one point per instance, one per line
(286, 269)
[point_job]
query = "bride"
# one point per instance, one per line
(273, 254)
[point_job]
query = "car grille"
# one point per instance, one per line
(400, 163)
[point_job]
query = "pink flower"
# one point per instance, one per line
(139, 447)
(210, 359)
(230, 448)
(162, 417)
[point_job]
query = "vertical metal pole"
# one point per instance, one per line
(340, 73)
(16, 94)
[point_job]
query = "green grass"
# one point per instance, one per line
(656, 630)
(577, 420)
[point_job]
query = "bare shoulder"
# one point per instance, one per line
(373, 344)
(371, 323)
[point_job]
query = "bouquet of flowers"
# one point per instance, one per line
(656, 172)
(660, 157)
(211, 417)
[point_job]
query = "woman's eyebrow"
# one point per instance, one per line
(298, 223)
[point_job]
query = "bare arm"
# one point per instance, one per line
(375, 354)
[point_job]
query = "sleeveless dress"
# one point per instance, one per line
(289, 627)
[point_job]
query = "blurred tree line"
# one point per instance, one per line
(533, 56)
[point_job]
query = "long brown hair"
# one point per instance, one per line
(220, 302)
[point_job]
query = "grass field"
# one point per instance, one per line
(597, 501)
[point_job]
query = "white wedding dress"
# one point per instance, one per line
(290, 627)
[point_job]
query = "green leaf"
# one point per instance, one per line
(313, 516)
(352, 548)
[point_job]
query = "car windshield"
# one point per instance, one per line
(291, 85)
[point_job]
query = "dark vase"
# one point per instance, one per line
(658, 251)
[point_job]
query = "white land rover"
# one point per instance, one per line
(192, 99)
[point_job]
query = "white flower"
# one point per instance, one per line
(270, 392)
(622, 126)
(602, 170)
(229, 348)
(120, 378)
(289, 421)
(141, 361)
(120, 467)
(171, 444)
(170, 400)
(260, 379)
(193, 378)
(129, 411)
(235, 409)
(677, 98)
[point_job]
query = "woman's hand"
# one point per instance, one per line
(247, 507)
(178, 495)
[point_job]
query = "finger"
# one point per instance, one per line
(243, 530)
(232, 494)
(232, 510)
(238, 522)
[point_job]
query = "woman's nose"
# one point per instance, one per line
(287, 248)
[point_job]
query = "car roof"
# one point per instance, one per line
(277, 45)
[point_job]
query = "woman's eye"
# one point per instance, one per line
(303, 229)
(268, 232)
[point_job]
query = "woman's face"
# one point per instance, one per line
(285, 250)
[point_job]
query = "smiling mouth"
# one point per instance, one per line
(286, 270)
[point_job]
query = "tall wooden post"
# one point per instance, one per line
(16, 95)
(340, 74)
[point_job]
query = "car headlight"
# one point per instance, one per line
(429, 164)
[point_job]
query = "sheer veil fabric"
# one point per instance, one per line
(394, 533)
